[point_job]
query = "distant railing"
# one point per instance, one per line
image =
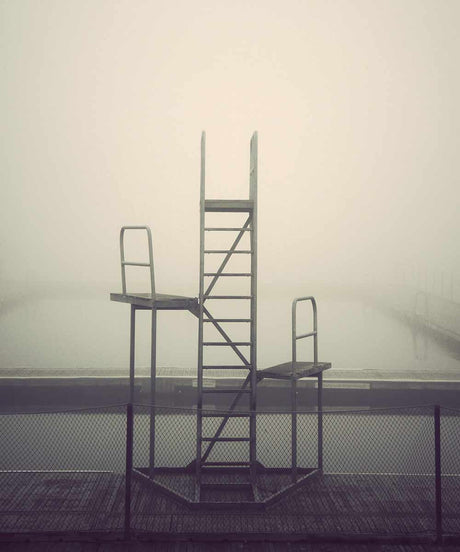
(73, 469)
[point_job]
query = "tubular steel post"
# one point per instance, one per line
(132, 349)
(199, 420)
(437, 449)
(294, 395)
(253, 181)
(320, 388)
(320, 422)
(129, 468)
(153, 375)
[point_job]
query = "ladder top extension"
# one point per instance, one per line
(228, 205)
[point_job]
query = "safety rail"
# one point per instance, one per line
(313, 334)
(125, 263)
(295, 338)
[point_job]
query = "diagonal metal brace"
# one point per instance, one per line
(227, 338)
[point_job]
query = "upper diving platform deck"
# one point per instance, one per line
(161, 301)
(228, 205)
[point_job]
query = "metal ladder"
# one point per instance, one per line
(244, 351)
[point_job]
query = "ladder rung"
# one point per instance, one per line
(225, 344)
(238, 252)
(226, 486)
(226, 439)
(223, 464)
(309, 334)
(226, 274)
(227, 296)
(233, 390)
(227, 320)
(239, 367)
(225, 415)
(220, 229)
(129, 263)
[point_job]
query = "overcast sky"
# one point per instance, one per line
(103, 103)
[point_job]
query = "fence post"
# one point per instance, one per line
(129, 468)
(437, 456)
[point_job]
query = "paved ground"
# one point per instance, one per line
(324, 507)
(203, 546)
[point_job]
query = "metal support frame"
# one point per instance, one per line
(248, 361)
(132, 371)
(153, 336)
(205, 316)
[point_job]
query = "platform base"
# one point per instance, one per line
(224, 488)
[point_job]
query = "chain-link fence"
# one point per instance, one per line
(450, 470)
(379, 469)
(63, 471)
(114, 468)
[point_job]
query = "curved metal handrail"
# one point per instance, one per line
(125, 263)
(313, 334)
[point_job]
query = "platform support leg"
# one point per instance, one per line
(132, 339)
(153, 373)
(320, 422)
(294, 430)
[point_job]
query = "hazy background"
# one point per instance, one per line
(102, 106)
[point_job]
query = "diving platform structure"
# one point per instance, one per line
(226, 471)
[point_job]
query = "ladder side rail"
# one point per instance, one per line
(124, 263)
(227, 257)
(222, 425)
(253, 181)
(253, 167)
(199, 426)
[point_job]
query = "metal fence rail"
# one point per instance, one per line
(386, 471)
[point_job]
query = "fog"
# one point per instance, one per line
(102, 106)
